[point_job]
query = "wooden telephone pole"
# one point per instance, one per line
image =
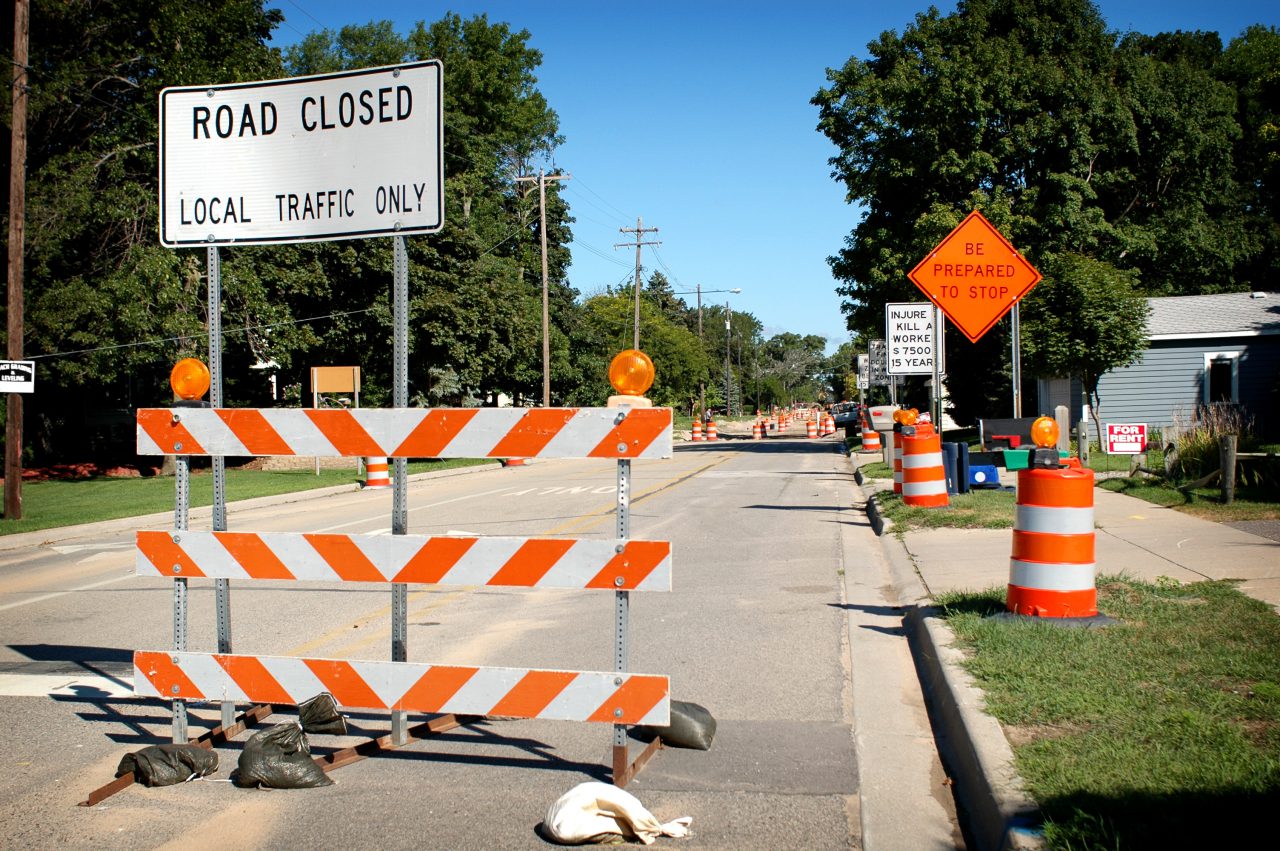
(546, 311)
(17, 239)
(639, 230)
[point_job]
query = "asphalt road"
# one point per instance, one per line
(756, 630)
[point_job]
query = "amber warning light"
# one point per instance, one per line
(631, 372)
(189, 379)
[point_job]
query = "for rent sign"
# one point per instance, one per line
(1126, 438)
(337, 156)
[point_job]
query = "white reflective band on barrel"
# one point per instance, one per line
(1059, 521)
(926, 459)
(931, 488)
(1051, 577)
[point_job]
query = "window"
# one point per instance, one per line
(1221, 377)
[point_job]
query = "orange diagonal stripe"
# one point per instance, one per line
(344, 682)
(160, 671)
(434, 559)
(342, 554)
(533, 431)
(162, 552)
(636, 561)
(342, 430)
(532, 694)
(531, 562)
(254, 431)
(429, 438)
(159, 425)
(434, 688)
(253, 555)
(639, 429)
(635, 698)
(254, 679)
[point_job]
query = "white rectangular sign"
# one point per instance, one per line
(337, 156)
(17, 376)
(1126, 438)
(910, 337)
(877, 377)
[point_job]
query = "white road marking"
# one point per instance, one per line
(57, 594)
(67, 549)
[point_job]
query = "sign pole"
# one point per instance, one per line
(1017, 363)
(936, 402)
(222, 587)
(400, 470)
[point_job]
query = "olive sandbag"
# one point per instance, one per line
(692, 726)
(165, 765)
(279, 758)
(320, 715)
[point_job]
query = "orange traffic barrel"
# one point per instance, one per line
(1051, 568)
(810, 428)
(377, 472)
(696, 435)
(757, 430)
(924, 479)
(897, 462)
(712, 434)
(870, 440)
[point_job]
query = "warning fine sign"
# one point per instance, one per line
(1126, 438)
(975, 276)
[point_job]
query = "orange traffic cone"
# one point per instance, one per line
(377, 472)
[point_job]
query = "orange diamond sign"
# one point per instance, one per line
(974, 276)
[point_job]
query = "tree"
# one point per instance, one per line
(1068, 138)
(1090, 320)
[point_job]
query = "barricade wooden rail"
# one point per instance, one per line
(619, 697)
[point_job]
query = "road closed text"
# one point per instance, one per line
(348, 109)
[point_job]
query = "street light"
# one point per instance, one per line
(702, 386)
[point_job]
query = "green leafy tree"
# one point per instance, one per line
(1090, 320)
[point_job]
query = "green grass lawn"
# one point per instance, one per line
(53, 503)
(1160, 732)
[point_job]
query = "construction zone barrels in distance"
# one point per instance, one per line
(974, 275)
(334, 156)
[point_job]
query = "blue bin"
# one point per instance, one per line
(984, 476)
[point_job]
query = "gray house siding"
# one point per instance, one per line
(1168, 383)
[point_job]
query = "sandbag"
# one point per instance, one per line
(279, 758)
(599, 812)
(165, 765)
(320, 716)
(692, 726)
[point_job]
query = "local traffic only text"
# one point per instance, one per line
(979, 279)
(314, 114)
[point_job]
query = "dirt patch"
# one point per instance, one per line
(76, 471)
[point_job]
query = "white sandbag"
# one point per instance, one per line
(590, 812)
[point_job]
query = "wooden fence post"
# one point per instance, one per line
(1227, 461)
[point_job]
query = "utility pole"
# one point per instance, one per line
(17, 240)
(546, 311)
(728, 327)
(639, 230)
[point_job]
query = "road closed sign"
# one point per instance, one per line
(1126, 438)
(336, 156)
(975, 276)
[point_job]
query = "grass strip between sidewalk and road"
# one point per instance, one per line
(53, 503)
(1161, 731)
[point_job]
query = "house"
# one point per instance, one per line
(1219, 349)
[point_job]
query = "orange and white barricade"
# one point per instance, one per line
(757, 430)
(897, 462)
(696, 434)
(870, 440)
(810, 428)
(1051, 567)
(377, 472)
(712, 433)
(621, 565)
(924, 478)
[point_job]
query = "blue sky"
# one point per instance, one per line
(695, 116)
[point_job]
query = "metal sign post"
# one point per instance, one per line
(621, 608)
(222, 587)
(400, 468)
(181, 516)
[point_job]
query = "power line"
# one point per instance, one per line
(602, 198)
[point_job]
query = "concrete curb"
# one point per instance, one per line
(204, 514)
(996, 810)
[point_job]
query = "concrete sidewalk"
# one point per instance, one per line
(1135, 539)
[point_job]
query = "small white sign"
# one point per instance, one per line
(18, 376)
(1126, 438)
(910, 337)
(337, 156)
